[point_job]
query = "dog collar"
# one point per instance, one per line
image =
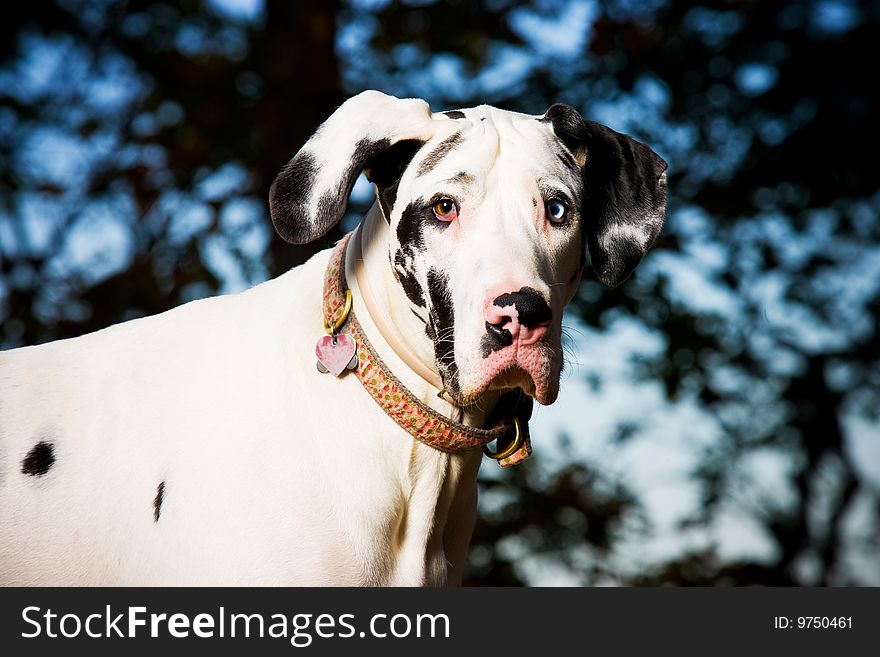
(388, 334)
(346, 348)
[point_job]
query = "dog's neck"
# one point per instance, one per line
(394, 309)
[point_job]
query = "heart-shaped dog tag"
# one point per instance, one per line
(335, 352)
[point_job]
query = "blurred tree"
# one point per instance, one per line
(162, 122)
(138, 140)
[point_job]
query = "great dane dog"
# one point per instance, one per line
(206, 446)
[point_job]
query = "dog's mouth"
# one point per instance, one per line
(533, 368)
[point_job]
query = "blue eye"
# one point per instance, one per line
(556, 211)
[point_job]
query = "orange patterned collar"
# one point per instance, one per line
(419, 420)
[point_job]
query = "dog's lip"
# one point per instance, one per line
(530, 368)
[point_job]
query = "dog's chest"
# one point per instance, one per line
(203, 447)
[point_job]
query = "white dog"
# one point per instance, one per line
(205, 445)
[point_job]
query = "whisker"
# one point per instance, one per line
(571, 329)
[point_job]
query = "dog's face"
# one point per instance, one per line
(490, 214)
(487, 244)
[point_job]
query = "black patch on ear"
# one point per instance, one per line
(386, 169)
(440, 151)
(624, 192)
(441, 328)
(568, 125)
(454, 114)
(157, 501)
(624, 188)
(289, 197)
(291, 193)
(333, 202)
(39, 460)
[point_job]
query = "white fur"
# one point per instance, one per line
(275, 474)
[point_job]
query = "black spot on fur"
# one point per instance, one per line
(414, 221)
(157, 501)
(463, 178)
(410, 235)
(454, 114)
(39, 460)
(411, 227)
(532, 309)
(441, 328)
(440, 151)
(408, 281)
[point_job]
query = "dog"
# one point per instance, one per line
(210, 445)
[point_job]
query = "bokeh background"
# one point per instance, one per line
(720, 419)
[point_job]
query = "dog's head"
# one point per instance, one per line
(490, 215)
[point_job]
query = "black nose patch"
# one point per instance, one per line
(531, 307)
(532, 310)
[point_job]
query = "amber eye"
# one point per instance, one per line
(445, 209)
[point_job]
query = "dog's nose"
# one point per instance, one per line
(520, 317)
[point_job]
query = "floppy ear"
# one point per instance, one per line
(310, 193)
(624, 192)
